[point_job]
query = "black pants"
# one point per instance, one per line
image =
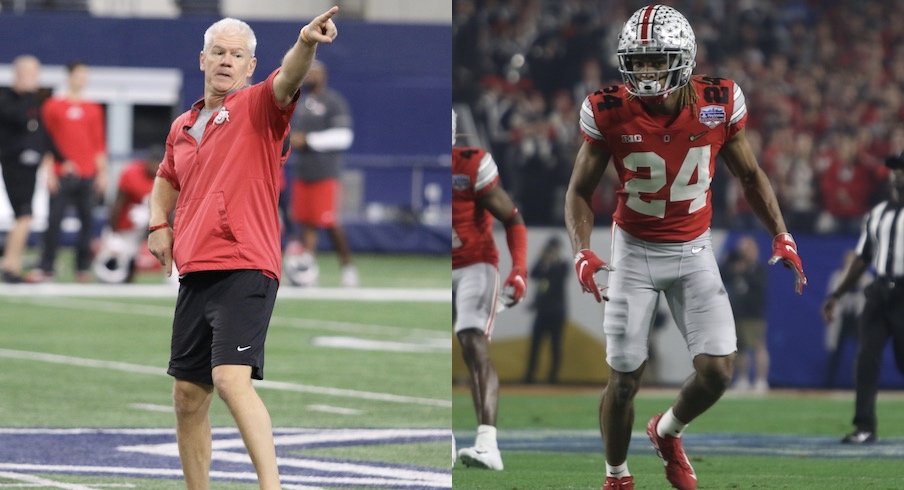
(79, 193)
(883, 318)
(546, 324)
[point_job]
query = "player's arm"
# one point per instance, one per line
(500, 205)
(589, 166)
(852, 274)
(298, 59)
(742, 163)
(160, 238)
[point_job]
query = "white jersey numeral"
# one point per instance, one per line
(682, 189)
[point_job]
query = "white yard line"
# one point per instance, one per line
(151, 407)
(444, 481)
(275, 385)
(132, 309)
(430, 295)
(334, 410)
(42, 482)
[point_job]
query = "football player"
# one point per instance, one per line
(663, 129)
(477, 198)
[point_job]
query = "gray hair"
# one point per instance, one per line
(25, 58)
(230, 26)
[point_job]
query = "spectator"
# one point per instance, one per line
(79, 177)
(128, 220)
(745, 281)
(548, 275)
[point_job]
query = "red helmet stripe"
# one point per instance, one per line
(646, 24)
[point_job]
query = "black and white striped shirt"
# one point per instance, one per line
(882, 240)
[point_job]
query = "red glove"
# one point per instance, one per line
(586, 264)
(515, 285)
(784, 249)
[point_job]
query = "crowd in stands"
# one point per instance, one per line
(823, 82)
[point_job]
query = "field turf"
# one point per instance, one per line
(783, 440)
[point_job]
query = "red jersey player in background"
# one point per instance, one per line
(128, 220)
(477, 198)
(76, 127)
(663, 129)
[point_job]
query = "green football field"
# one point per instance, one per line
(357, 384)
(784, 440)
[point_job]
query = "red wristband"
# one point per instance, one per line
(157, 227)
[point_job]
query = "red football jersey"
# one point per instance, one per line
(474, 173)
(135, 184)
(665, 164)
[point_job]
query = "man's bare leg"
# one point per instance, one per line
(192, 404)
(15, 245)
(233, 384)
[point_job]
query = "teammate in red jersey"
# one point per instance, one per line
(76, 126)
(663, 129)
(128, 220)
(477, 198)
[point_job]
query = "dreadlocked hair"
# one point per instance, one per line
(686, 95)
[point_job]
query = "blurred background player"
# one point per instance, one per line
(477, 198)
(321, 132)
(129, 213)
(883, 314)
(23, 145)
(548, 277)
(745, 281)
(663, 129)
(76, 127)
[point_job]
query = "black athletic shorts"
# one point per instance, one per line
(221, 318)
(19, 180)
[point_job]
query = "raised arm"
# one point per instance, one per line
(298, 59)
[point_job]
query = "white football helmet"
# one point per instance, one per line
(113, 263)
(657, 30)
(301, 269)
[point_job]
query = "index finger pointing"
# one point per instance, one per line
(320, 19)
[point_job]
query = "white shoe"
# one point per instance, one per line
(302, 269)
(742, 384)
(490, 459)
(761, 386)
(349, 276)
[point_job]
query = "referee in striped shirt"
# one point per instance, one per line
(881, 245)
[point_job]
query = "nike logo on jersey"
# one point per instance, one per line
(695, 137)
(696, 250)
(243, 349)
